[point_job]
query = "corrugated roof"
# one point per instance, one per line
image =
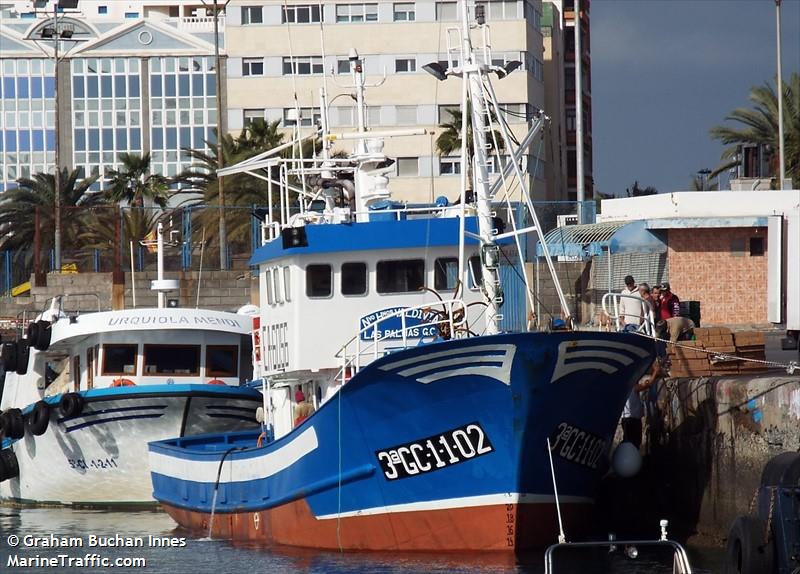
(585, 241)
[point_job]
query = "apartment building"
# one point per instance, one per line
(267, 40)
(132, 77)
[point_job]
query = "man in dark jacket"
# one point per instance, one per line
(669, 305)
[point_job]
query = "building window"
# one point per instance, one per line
(252, 15)
(405, 65)
(308, 117)
(449, 113)
(119, 359)
(252, 115)
(342, 117)
(356, 13)
(354, 279)
(515, 113)
(447, 11)
(406, 115)
(302, 14)
(405, 12)
(756, 246)
(407, 166)
(374, 116)
(404, 276)
(253, 67)
(303, 65)
(222, 361)
(449, 166)
(342, 66)
(131, 15)
(569, 119)
(319, 281)
(175, 360)
(445, 274)
(102, 9)
(500, 9)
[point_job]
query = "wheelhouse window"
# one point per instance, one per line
(222, 361)
(354, 279)
(119, 359)
(178, 360)
(319, 281)
(445, 274)
(402, 276)
(475, 272)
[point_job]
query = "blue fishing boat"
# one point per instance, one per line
(398, 415)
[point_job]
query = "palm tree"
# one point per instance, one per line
(449, 141)
(134, 184)
(18, 208)
(760, 127)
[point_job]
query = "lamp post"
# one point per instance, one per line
(56, 33)
(781, 155)
(223, 230)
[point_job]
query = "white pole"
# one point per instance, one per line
(161, 295)
(579, 111)
(200, 272)
(133, 279)
(561, 536)
(780, 96)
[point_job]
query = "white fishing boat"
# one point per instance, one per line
(84, 394)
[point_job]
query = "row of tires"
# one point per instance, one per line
(13, 422)
(16, 355)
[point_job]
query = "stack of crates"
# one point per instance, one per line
(698, 358)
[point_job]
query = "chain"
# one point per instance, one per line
(768, 531)
(752, 507)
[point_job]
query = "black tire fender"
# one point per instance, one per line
(23, 356)
(9, 467)
(39, 418)
(13, 424)
(42, 341)
(746, 551)
(32, 333)
(70, 405)
(782, 470)
(8, 353)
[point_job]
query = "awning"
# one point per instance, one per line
(585, 241)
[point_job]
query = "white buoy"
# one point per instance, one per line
(626, 461)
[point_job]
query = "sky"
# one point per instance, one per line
(665, 71)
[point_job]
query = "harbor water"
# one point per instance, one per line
(50, 540)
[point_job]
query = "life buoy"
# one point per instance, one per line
(12, 424)
(39, 418)
(23, 356)
(70, 405)
(9, 467)
(8, 354)
(123, 383)
(215, 382)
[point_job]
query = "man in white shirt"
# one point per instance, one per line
(631, 311)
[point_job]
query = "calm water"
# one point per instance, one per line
(200, 556)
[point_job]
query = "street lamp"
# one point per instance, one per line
(56, 32)
(223, 231)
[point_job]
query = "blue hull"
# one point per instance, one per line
(458, 427)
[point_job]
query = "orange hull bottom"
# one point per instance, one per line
(499, 527)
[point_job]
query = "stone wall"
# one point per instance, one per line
(715, 267)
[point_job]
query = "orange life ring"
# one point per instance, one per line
(215, 382)
(123, 383)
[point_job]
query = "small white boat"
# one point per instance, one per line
(84, 394)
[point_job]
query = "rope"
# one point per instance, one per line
(789, 367)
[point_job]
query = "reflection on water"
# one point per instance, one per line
(199, 556)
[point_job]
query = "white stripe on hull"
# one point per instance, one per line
(237, 470)
(463, 502)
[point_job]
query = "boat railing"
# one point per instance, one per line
(680, 560)
(370, 343)
(611, 307)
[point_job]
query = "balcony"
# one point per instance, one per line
(197, 23)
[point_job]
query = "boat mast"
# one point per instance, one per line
(473, 72)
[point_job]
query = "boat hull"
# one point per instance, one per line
(436, 448)
(98, 457)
